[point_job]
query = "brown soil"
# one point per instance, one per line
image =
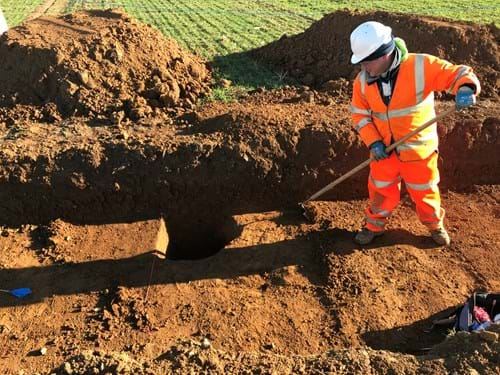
(99, 64)
(322, 52)
(248, 285)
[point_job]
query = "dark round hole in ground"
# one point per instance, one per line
(197, 239)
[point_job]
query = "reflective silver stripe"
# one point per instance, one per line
(362, 82)
(420, 103)
(404, 111)
(431, 137)
(426, 186)
(380, 212)
(380, 115)
(419, 78)
(411, 146)
(363, 122)
(360, 111)
(377, 223)
(462, 71)
(383, 184)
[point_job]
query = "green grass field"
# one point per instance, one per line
(214, 28)
(218, 30)
(16, 11)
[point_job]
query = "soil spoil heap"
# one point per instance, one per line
(98, 64)
(322, 52)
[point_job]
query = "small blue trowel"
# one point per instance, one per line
(19, 293)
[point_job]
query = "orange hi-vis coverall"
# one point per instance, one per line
(415, 161)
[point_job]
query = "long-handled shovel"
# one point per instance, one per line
(19, 292)
(367, 162)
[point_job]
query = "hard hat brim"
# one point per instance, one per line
(384, 49)
(356, 60)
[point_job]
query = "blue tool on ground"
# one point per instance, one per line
(19, 292)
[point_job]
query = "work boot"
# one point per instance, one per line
(440, 236)
(365, 236)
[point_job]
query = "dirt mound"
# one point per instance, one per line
(104, 363)
(322, 52)
(98, 64)
(463, 353)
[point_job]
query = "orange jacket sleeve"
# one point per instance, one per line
(361, 116)
(441, 75)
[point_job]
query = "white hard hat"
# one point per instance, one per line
(367, 38)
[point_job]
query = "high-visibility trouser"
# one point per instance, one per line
(384, 186)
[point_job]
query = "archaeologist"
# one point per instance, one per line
(3, 23)
(393, 95)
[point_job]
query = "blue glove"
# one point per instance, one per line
(465, 98)
(378, 150)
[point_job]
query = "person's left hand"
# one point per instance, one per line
(465, 98)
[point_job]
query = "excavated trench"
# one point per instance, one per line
(202, 183)
(225, 160)
(221, 170)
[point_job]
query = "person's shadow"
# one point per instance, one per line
(150, 269)
(147, 268)
(340, 241)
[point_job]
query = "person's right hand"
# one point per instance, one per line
(378, 150)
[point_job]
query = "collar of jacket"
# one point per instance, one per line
(400, 55)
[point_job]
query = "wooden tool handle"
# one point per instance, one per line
(387, 150)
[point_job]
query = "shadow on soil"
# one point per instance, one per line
(340, 241)
(136, 271)
(416, 338)
(86, 277)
